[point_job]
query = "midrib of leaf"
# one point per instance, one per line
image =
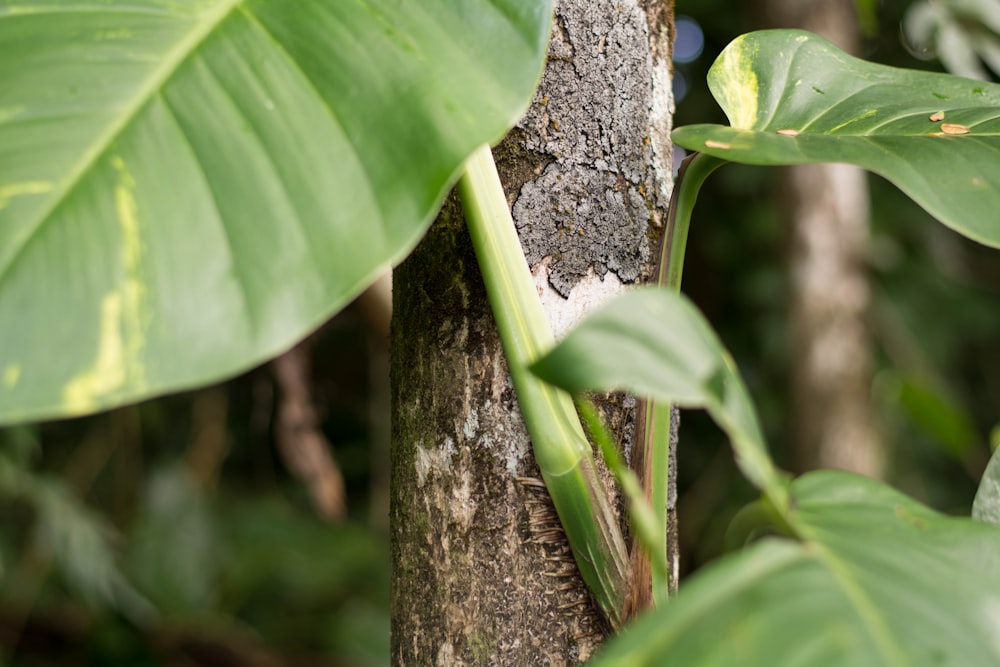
(874, 130)
(776, 107)
(872, 620)
(169, 64)
(826, 111)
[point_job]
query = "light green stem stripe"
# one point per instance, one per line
(645, 526)
(692, 174)
(561, 449)
(656, 441)
(658, 417)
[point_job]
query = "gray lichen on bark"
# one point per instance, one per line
(592, 208)
(470, 583)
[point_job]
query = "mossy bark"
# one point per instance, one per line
(482, 575)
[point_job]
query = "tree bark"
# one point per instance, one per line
(481, 573)
(827, 206)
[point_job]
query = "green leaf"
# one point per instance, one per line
(963, 34)
(908, 126)
(283, 558)
(986, 506)
(940, 416)
(173, 553)
(875, 579)
(664, 349)
(74, 537)
(558, 441)
(187, 188)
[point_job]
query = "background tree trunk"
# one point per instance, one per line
(828, 212)
(479, 574)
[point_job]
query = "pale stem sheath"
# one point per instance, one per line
(561, 449)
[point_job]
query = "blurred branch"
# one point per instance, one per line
(379, 440)
(209, 439)
(301, 443)
(375, 304)
(376, 307)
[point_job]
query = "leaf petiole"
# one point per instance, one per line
(561, 449)
(653, 436)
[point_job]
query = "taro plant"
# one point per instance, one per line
(855, 573)
(129, 129)
(187, 188)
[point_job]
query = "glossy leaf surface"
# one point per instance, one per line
(875, 578)
(187, 188)
(865, 575)
(794, 98)
(666, 350)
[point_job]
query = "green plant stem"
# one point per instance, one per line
(694, 169)
(758, 518)
(558, 441)
(652, 450)
(643, 520)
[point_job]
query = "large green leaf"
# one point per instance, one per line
(875, 580)
(866, 576)
(187, 188)
(793, 98)
(665, 350)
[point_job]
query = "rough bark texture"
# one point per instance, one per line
(833, 426)
(481, 577)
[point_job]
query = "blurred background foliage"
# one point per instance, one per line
(934, 316)
(174, 533)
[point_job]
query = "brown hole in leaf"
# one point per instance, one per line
(937, 116)
(954, 128)
(711, 143)
(789, 132)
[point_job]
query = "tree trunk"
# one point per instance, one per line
(827, 205)
(481, 573)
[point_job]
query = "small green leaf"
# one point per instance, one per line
(932, 410)
(664, 349)
(794, 98)
(173, 553)
(875, 579)
(187, 188)
(962, 34)
(75, 537)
